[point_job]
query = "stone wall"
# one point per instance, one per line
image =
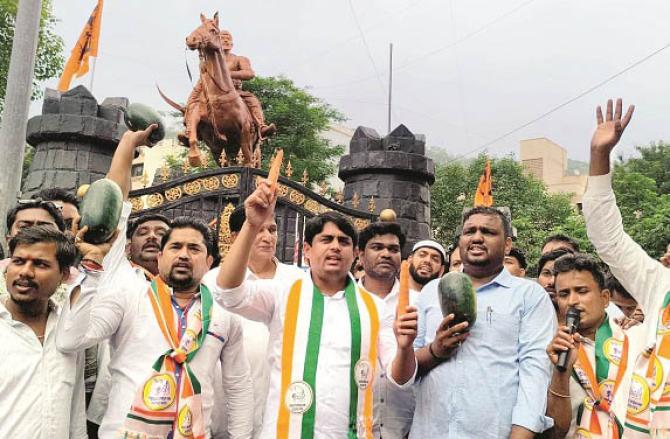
(74, 139)
(395, 171)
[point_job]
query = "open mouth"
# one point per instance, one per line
(24, 286)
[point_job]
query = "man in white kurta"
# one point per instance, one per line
(317, 386)
(262, 265)
(647, 280)
(121, 311)
(42, 389)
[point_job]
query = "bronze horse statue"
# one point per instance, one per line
(215, 112)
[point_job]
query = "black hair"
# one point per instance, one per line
(615, 287)
(580, 262)
(66, 252)
(49, 206)
(491, 211)
(187, 222)
(517, 254)
(135, 223)
(450, 250)
(237, 219)
(57, 194)
(552, 256)
(574, 245)
(315, 225)
(378, 229)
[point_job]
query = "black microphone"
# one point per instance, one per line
(572, 322)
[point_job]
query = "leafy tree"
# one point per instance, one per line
(654, 162)
(645, 211)
(535, 212)
(300, 119)
(49, 60)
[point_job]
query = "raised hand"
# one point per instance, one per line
(92, 252)
(610, 128)
(561, 342)
(139, 138)
(260, 205)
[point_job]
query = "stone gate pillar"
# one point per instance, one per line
(396, 172)
(74, 139)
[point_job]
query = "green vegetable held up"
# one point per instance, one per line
(100, 210)
(139, 116)
(458, 297)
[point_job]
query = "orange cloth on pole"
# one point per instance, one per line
(484, 194)
(87, 45)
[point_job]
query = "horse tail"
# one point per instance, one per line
(172, 103)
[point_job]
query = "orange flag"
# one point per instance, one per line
(87, 45)
(484, 194)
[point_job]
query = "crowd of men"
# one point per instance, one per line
(148, 336)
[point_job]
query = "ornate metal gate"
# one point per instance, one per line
(212, 195)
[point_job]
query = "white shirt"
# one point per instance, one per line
(620, 404)
(123, 314)
(42, 389)
(265, 301)
(255, 337)
(393, 408)
(646, 279)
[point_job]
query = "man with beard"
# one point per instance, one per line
(493, 385)
(379, 246)
(42, 389)
(328, 335)
(144, 236)
(167, 337)
(426, 263)
(263, 264)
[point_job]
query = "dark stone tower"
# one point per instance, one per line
(74, 139)
(396, 172)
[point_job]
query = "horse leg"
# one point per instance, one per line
(192, 122)
(246, 142)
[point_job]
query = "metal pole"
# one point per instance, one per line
(17, 102)
(390, 84)
(95, 61)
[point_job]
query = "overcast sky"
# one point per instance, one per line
(466, 71)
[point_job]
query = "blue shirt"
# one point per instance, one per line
(499, 376)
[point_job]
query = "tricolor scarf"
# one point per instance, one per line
(301, 342)
(595, 417)
(169, 402)
(648, 413)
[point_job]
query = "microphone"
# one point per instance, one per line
(572, 322)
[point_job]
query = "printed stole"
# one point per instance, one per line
(300, 355)
(648, 413)
(595, 417)
(169, 401)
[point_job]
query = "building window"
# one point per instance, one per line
(137, 170)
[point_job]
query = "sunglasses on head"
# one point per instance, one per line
(38, 202)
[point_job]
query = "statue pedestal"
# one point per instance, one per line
(74, 139)
(395, 171)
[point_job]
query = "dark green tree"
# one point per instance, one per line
(49, 61)
(301, 118)
(654, 162)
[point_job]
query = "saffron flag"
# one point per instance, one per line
(87, 46)
(484, 194)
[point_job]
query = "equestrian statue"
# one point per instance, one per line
(218, 111)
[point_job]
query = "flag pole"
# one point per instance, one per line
(95, 62)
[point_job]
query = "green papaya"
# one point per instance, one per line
(100, 210)
(139, 116)
(457, 296)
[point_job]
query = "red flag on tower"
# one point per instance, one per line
(87, 46)
(484, 194)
